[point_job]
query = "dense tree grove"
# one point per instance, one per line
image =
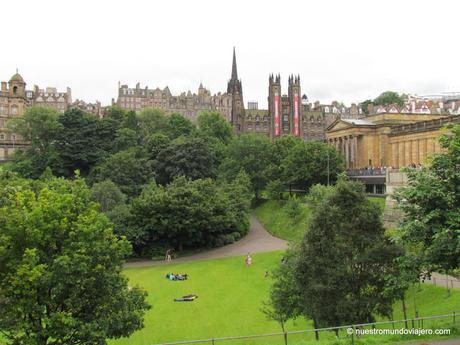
(60, 267)
(163, 180)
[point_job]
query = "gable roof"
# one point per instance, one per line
(346, 123)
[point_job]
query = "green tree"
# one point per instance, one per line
(189, 157)
(389, 97)
(188, 214)
(151, 121)
(250, 153)
(284, 297)
(214, 125)
(116, 113)
(107, 195)
(125, 139)
(40, 127)
(60, 268)
(179, 125)
(156, 143)
(309, 163)
(83, 141)
(431, 208)
(341, 260)
(128, 169)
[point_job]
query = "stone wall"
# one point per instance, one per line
(392, 215)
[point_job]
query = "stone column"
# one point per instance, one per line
(394, 155)
(415, 151)
(347, 152)
(422, 151)
(401, 162)
(407, 153)
(355, 152)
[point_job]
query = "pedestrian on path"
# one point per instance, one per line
(248, 260)
(168, 255)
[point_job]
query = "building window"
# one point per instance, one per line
(2, 136)
(14, 110)
(15, 90)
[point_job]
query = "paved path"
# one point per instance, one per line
(258, 240)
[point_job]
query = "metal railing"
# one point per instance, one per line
(367, 172)
(411, 323)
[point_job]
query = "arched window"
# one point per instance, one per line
(15, 90)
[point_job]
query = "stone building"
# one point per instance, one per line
(188, 104)
(95, 109)
(292, 114)
(51, 98)
(387, 139)
(13, 102)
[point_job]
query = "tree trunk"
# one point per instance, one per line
(315, 324)
(403, 301)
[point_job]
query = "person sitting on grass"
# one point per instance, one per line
(176, 276)
(186, 298)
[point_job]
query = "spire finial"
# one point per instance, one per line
(234, 70)
(17, 71)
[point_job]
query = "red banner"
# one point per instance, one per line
(296, 115)
(277, 115)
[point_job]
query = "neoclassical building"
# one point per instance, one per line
(388, 139)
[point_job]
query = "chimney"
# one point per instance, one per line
(370, 108)
(412, 107)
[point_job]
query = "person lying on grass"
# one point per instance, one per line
(175, 276)
(186, 298)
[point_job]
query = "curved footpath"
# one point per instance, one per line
(257, 240)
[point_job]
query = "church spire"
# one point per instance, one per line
(234, 72)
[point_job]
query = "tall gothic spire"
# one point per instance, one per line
(234, 72)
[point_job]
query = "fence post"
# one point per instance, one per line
(285, 338)
(212, 341)
(454, 316)
(353, 335)
(434, 281)
(413, 323)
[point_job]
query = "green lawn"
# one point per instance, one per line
(230, 297)
(379, 201)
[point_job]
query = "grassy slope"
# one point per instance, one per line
(273, 216)
(278, 223)
(230, 297)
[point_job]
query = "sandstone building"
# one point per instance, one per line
(386, 139)
(51, 98)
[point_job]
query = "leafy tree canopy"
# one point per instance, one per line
(60, 267)
(431, 208)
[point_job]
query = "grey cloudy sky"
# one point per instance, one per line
(343, 50)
